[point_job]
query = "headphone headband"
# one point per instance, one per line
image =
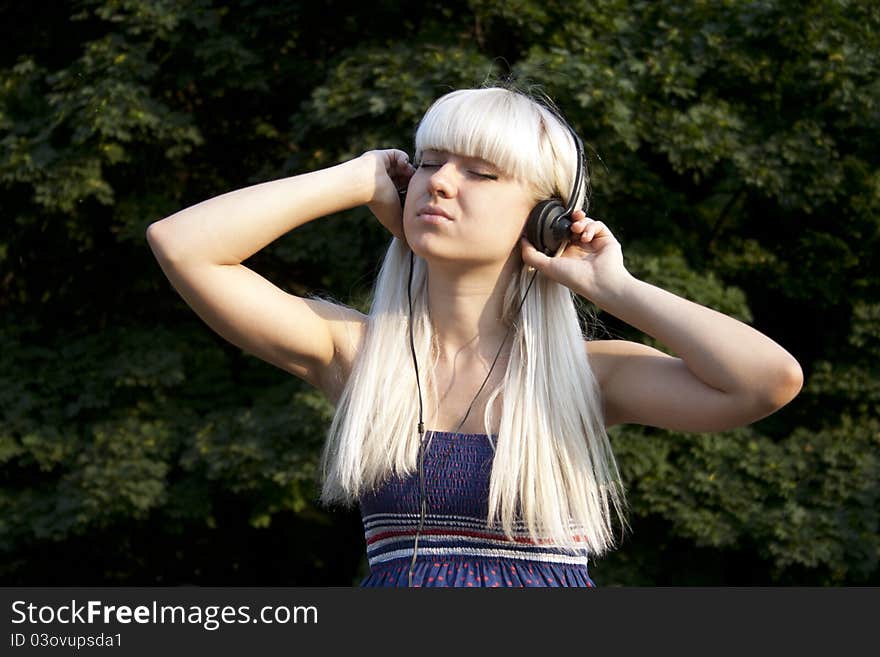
(544, 101)
(548, 225)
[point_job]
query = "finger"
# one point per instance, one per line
(592, 230)
(399, 161)
(580, 226)
(581, 219)
(530, 255)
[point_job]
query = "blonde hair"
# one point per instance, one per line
(529, 143)
(553, 468)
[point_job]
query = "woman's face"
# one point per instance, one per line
(485, 210)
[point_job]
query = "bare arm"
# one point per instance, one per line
(230, 228)
(201, 248)
(726, 373)
(722, 352)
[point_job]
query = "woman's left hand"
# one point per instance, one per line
(590, 265)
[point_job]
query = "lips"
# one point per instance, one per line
(433, 210)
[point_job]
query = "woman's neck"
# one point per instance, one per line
(466, 308)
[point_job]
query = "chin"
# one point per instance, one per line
(435, 252)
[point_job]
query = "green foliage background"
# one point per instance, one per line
(734, 152)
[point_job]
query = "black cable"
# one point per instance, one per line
(569, 208)
(423, 449)
(411, 344)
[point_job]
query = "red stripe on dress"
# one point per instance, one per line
(471, 534)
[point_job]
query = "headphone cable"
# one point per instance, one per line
(569, 208)
(423, 449)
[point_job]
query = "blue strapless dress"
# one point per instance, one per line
(455, 547)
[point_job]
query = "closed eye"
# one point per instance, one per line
(431, 165)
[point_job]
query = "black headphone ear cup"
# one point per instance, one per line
(548, 226)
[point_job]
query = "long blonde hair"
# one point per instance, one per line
(553, 469)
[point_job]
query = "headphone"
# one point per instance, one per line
(549, 222)
(547, 228)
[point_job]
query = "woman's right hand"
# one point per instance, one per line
(391, 170)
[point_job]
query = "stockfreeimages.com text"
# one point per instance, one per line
(210, 617)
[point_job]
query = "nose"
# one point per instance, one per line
(442, 181)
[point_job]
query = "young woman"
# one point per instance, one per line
(471, 410)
